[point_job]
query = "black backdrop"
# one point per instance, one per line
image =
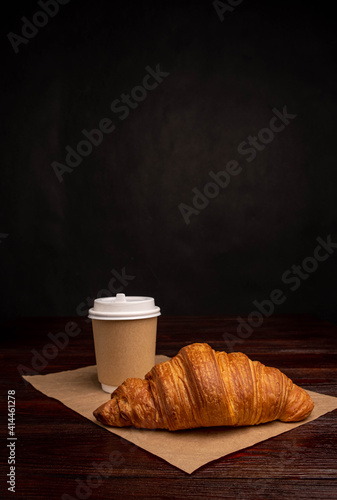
(114, 220)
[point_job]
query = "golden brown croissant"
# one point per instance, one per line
(200, 387)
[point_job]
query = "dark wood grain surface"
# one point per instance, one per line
(57, 450)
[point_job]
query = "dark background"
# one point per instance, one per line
(119, 208)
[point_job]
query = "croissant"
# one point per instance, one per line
(200, 387)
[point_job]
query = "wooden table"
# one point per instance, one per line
(56, 448)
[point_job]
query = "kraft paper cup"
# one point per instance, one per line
(125, 330)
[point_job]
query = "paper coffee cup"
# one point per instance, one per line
(125, 330)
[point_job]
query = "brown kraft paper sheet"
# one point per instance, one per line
(188, 450)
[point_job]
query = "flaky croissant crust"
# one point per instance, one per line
(200, 387)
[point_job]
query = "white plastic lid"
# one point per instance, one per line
(122, 307)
